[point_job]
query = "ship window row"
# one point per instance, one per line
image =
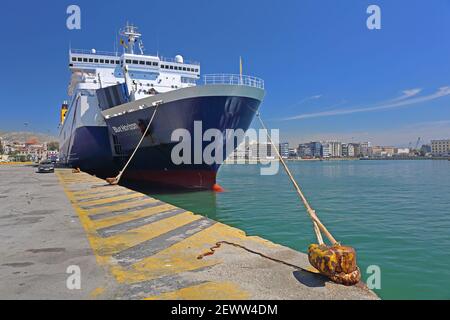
(92, 60)
(170, 67)
(141, 62)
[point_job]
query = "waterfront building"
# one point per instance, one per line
(383, 151)
(316, 149)
(335, 149)
(425, 149)
(440, 147)
(284, 150)
(326, 149)
(261, 151)
(350, 150)
(402, 151)
(354, 150)
(345, 147)
(365, 149)
(304, 150)
(293, 153)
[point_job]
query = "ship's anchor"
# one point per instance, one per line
(116, 180)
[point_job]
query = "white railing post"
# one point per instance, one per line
(233, 79)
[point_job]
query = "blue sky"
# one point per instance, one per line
(327, 76)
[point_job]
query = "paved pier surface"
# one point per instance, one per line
(131, 246)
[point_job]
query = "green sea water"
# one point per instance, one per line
(395, 213)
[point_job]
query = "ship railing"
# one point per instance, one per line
(97, 53)
(233, 79)
(169, 59)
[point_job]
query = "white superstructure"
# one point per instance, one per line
(147, 73)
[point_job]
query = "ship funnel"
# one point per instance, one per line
(63, 112)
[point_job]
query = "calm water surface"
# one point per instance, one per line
(395, 213)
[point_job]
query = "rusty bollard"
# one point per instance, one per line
(336, 262)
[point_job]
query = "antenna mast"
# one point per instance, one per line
(131, 33)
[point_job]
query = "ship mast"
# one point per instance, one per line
(132, 35)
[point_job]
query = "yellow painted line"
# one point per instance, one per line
(112, 199)
(182, 256)
(110, 194)
(115, 244)
(13, 163)
(120, 206)
(79, 178)
(96, 292)
(111, 221)
(206, 291)
(96, 191)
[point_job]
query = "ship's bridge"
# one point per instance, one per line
(86, 59)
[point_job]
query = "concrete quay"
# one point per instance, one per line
(128, 245)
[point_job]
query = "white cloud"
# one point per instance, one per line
(407, 94)
(408, 98)
(315, 97)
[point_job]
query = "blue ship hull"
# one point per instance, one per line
(94, 151)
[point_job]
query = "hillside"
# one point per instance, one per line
(22, 136)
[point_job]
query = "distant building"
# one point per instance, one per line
(304, 150)
(345, 147)
(284, 150)
(425, 149)
(354, 150)
(335, 149)
(350, 150)
(365, 149)
(381, 151)
(316, 149)
(403, 151)
(261, 151)
(440, 147)
(326, 149)
(293, 153)
(52, 154)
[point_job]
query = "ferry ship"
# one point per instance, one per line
(113, 97)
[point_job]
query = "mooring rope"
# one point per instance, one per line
(220, 243)
(318, 225)
(116, 179)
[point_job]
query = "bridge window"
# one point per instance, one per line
(102, 61)
(106, 61)
(85, 60)
(91, 60)
(80, 59)
(171, 67)
(135, 62)
(141, 62)
(127, 61)
(148, 63)
(117, 62)
(74, 59)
